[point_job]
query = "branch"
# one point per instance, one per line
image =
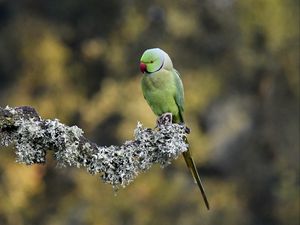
(32, 136)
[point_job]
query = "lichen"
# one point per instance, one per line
(117, 165)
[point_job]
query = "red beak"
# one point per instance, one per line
(143, 67)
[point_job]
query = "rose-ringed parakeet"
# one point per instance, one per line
(163, 90)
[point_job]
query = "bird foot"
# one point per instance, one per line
(164, 119)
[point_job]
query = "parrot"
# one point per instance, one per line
(163, 90)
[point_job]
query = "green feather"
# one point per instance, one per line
(179, 96)
(163, 90)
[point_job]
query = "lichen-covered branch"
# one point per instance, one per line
(32, 136)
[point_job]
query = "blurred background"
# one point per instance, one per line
(78, 61)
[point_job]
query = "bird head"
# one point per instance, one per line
(155, 59)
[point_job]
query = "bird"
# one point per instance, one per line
(163, 90)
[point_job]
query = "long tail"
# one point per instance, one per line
(192, 167)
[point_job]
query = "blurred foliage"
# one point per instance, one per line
(78, 61)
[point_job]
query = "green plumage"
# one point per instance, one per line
(163, 90)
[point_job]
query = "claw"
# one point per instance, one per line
(164, 119)
(187, 130)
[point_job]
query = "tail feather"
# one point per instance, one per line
(190, 162)
(192, 167)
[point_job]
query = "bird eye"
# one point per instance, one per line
(151, 61)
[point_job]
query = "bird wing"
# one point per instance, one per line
(179, 94)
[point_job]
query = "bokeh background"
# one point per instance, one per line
(77, 60)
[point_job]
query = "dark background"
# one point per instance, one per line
(78, 61)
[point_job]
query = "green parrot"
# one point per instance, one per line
(163, 90)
